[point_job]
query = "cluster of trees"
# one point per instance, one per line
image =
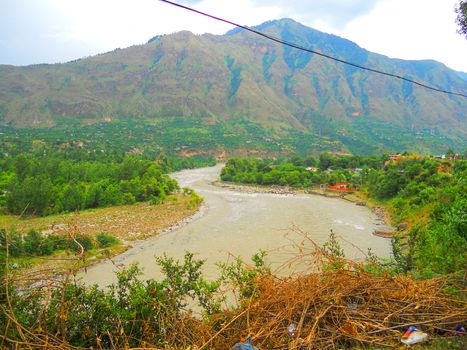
(301, 171)
(42, 185)
(35, 243)
(411, 177)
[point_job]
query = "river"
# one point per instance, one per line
(235, 223)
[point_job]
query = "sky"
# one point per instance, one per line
(50, 31)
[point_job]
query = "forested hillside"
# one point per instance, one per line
(240, 93)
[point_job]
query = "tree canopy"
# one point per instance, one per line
(461, 19)
(37, 185)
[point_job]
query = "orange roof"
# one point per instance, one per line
(341, 186)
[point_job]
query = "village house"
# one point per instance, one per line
(341, 187)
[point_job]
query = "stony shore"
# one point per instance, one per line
(128, 244)
(275, 189)
(185, 221)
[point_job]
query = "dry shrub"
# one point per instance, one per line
(340, 308)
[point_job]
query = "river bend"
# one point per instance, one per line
(235, 223)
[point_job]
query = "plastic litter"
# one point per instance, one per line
(460, 331)
(245, 346)
(414, 336)
(292, 328)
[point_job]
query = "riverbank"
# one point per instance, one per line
(130, 224)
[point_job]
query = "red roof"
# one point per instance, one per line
(341, 186)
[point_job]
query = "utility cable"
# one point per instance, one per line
(296, 46)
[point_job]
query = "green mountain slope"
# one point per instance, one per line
(241, 87)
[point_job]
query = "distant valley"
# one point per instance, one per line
(236, 94)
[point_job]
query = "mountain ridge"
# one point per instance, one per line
(220, 78)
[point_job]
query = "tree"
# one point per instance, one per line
(22, 166)
(72, 197)
(461, 19)
(325, 161)
(32, 196)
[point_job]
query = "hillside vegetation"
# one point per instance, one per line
(239, 92)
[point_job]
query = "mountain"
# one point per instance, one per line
(463, 75)
(240, 90)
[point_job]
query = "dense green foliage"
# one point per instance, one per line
(104, 240)
(41, 185)
(35, 243)
(461, 20)
(427, 196)
(301, 171)
(431, 198)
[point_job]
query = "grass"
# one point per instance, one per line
(34, 268)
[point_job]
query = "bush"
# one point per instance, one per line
(15, 242)
(84, 240)
(128, 198)
(104, 240)
(155, 200)
(195, 200)
(32, 242)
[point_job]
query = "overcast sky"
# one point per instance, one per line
(49, 31)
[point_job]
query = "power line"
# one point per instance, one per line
(299, 47)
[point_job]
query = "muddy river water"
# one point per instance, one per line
(235, 223)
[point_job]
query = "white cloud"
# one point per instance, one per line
(36, 31)
(113, 23)
(415, 29)
(335, 12)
